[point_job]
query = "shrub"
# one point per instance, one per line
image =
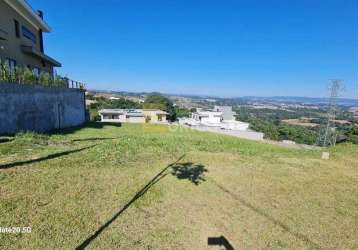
(29, 77)
(276, 132)
(5, 74)
(296, 133)
(60, 81)
(269, 129)
(45, 78)
(182, 112)
(352, 135)
(24, 75)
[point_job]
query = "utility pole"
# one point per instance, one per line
(327, 136)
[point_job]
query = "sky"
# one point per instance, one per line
(206, 47)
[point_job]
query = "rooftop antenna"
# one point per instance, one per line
(328, 135)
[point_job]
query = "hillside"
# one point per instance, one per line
(155, 187)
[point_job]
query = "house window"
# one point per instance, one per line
(28, 34)
(17, 28)
(111, 117)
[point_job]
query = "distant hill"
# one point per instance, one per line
(306, 100)
(278, 99)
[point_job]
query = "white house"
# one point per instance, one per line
(133, 115)
(226, 111)
(222, 117)
(114, 115)
(122, 115)
(221, 120)
(207, 117)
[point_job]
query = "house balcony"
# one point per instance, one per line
(30, 50)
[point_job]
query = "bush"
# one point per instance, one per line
(269, 129)
(352, 134)
(29, 77)
(182, 112)
(5, 74)
(297, 133)
(24, 75)
(45, 78)
(276, 132)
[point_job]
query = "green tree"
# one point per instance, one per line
(276, 132)
(269, 129)
(157, 101)
(297, 133)
(29, 77)
(182, 112)
(352, 134)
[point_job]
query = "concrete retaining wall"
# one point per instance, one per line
(38, 108)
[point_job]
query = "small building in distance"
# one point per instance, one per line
(155, 115)
(207, 117)
(133, 115)
(221, 117)
(220, 120)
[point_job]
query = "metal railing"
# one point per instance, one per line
(72, 84)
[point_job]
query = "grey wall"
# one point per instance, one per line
(38, 108)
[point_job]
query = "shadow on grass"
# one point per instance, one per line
(95, 139)
(93, 125)
(189, 171)
(220, 241)
(49, 157)
(71, 130)
(4, 140)
(269, 217)
(186, 172)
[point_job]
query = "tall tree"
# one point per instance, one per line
(157, 101)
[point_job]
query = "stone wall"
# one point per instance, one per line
(38, 108)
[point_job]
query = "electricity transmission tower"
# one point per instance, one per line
(328, 135)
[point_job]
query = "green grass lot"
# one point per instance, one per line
(154, 187)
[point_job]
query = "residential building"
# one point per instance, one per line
(227, 113)
(155, 115)
(221, 117)
(207, 117)
(122, 115)
(21, 37)
(133, 115)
